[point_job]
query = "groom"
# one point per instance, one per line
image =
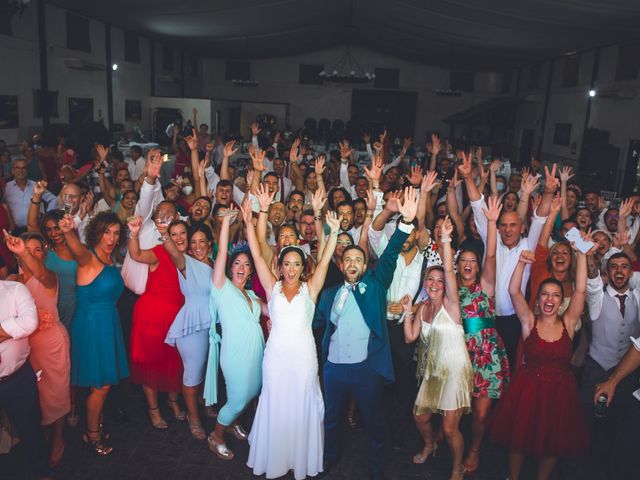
(355, 347)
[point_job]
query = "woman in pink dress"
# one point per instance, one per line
(49, 344)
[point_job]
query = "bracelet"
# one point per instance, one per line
(317, 217)
(409, 313)
(368, 215)
(334, 234)
(445, 240)
(264, 211)
(36, 203)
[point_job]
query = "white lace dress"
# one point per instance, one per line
(288, 432)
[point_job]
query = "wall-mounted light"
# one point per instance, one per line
(114, 67)
(592, 93)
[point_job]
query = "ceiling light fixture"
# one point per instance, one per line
(592, 93)
(347, 69)
(114, 67)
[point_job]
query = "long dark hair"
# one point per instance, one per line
(54, 216)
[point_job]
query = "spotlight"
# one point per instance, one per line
(114, 67)
(592, 93)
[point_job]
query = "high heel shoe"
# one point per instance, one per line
(237, 431)
(97, 445)
(160, 424)
(179, 414)
(471, 468)
(424, 455)
(220, 449)
(195, 427)
(458, 474)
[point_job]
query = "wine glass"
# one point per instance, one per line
(67, 202)
(164, 219)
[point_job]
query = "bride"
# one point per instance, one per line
(287, 430)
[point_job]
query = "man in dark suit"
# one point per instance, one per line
(355, 347)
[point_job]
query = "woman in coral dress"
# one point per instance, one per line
(154, 364)
(540, 415)
(49, 344)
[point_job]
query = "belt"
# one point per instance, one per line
(11, 375)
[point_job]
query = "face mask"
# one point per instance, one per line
(500, 187)
(187, 189)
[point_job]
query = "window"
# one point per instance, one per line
(562, 134)
(5, 24)
(571, 69)
(194, 66)
(534, 76)
(131, 47)
(310, 74)
(628, 61)
(506, 81)
(45, 103)
(387, 78)
(237, 70)
(8, 111)
(167, 58)
(461, 81)
(132, 109)
(80, 110)
(78, 36)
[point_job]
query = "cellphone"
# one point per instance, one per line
(582, 245)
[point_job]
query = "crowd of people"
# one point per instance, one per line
(428, 285)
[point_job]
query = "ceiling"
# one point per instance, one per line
(468, 34)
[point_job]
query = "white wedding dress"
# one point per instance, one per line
(288, 432)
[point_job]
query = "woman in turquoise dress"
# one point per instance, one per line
(189, 332)
(238, 311)
(486, 350)
(98, 357)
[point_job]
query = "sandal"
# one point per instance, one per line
(196, 429)
(471, 467)
(425, 453)
(179, 414)
(237, 431)
(220, 449)
(458, 474)
(159, 424)
(97, 445)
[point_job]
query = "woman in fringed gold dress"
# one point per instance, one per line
(447, 381)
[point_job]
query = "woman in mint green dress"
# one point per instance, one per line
(238, 311)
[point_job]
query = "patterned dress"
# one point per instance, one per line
(485, 347)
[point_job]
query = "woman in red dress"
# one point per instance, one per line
(154, 364)
(540, 415)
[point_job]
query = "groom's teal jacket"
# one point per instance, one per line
(371, 296)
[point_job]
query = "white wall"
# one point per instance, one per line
(278, 83)
(131, 81)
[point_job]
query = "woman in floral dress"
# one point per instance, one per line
(486, 350)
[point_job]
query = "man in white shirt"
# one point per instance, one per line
(18, 389)
(510, 244)
(18, 194)
(135, 162)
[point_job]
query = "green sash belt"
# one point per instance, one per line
(475, 325)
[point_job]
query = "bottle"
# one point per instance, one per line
(601, 405)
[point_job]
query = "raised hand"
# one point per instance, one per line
(551, 182)
(14, 244)
(294, 151)
(366, 137)
(495, 165)
(619, 240)
(529, 184)
(446, 229)
(415, 176)
(406, 144)
(383, 136)
(202, 166)
(406, 303)
(527, 256)
(409, 206)
(264, 197)
(484, 172)
(393, 202)
(102, 151)
(626, 207)
(257, 159)
(135, 224)
(375, 171)
(556, 203)
(255, 129)
(466, 167)
(565, 174)
(435, 145)
(371, 201)
(492, 212)
(247, 213)
(345, 150)
(333, 221)
(39, 188)
(319, 164)
(318, 200)
(153, 163)
(429, 181)
(192, 140)
(86, 204)
(66, 224)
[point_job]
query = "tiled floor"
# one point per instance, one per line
(142, 452)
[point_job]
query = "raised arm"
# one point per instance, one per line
(177, 257)
(550, 187)
(218, 276)
(488, 277)
(267, 279)
(493, 181)
(139, 255)
(556, 205)
(264, 200)
(425, 202)
(452, 207)
(317, 202)
(520, 304)
(466, 170)
(411, 323)
(316, 281)
(565, 176)
(576, 305)
(78, 250)
(33, 215)
(29, 262)
(527, 186)
(435, 150)
(451, 299)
